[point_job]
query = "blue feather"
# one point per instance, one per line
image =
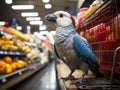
(83, 48)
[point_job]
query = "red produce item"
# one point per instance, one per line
(101, 32)
(81, 16)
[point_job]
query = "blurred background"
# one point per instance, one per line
(12, 12)
(27, 59)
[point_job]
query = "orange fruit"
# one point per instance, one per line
(14, 66)
(8, 59)
(2, 42)
(2, 67)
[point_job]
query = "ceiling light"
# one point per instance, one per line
(8, 1)
(36, 22)
(2, 23)
(45, 1)
(32, 18)
(21, 7)
(25, 14)
(48, 6)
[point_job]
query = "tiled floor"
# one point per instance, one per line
(45, 79)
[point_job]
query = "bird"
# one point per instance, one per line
(73, 49)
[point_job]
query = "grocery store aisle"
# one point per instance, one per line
(44, 79)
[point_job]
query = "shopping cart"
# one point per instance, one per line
(102, 30)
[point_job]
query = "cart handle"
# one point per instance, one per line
(113, 66)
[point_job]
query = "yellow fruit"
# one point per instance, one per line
(24, 48)
(10, 42)
(2, 42)
(5, 37)
(21, 64)
(28, 50)
(12, 47)
(7, 46)
(8, 69)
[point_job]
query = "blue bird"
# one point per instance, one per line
(73, 49)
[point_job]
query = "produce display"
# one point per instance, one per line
(14, 32)
(8, 65)
(15, 54)
(7, 43)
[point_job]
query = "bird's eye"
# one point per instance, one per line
(61, 15)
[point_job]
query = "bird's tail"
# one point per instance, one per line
(97, 72)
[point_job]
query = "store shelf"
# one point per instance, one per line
(7, 81)
(106, 3)
(12, 53)
(5, 78)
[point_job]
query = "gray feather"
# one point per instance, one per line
(64, 45)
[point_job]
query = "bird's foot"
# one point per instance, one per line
(78, 81)
(68, 78)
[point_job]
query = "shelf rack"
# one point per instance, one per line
(7, 81)
(102, 31)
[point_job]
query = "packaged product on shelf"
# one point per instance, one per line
(93, 7)
(116, 34)
(81, 16)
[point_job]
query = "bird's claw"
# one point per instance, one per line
(68, 78)
(78, 82)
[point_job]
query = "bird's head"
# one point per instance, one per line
(61, 18)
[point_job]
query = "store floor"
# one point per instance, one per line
(44, 79)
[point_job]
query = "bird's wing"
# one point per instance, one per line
(82, 47)
(56, 53)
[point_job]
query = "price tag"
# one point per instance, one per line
(1, 52)
(17, 53)
(4, 80)
(5, 52)
(20, 73)
(11, 53)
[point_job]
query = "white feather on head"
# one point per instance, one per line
(63, 18)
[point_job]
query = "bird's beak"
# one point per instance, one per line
(51, 17)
